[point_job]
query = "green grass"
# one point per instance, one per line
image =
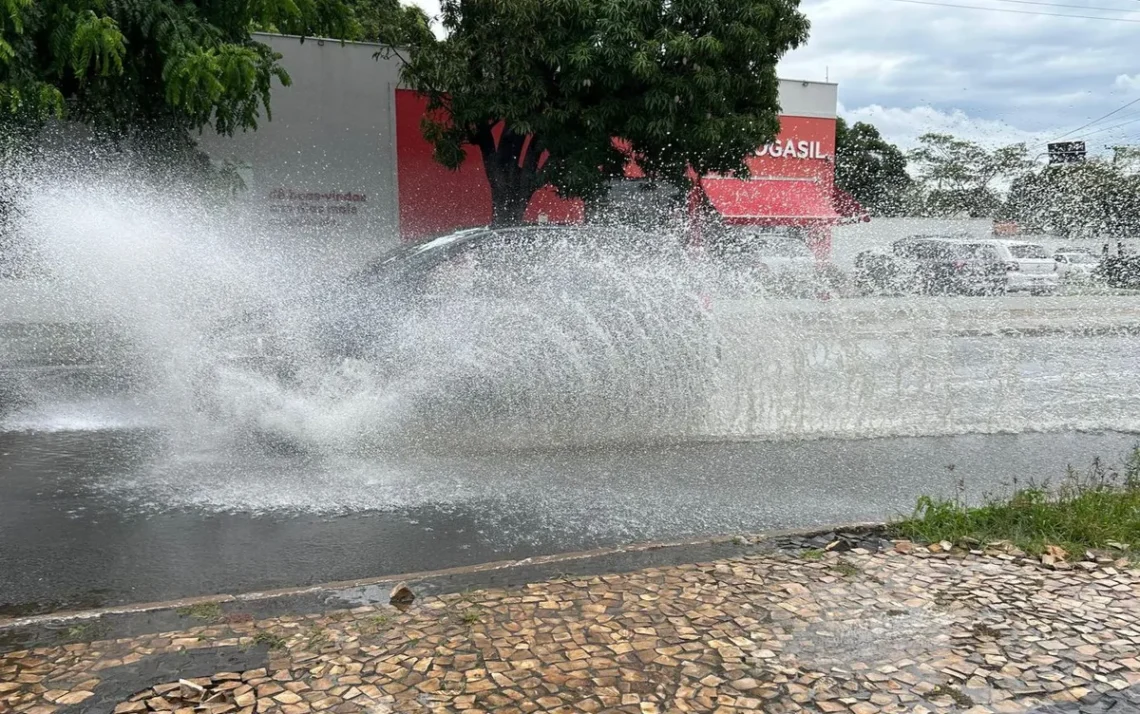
(209, 611)
(271, 640)
(813, 554)
(86, 631)
(1096, 509)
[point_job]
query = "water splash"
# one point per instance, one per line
(587, 349)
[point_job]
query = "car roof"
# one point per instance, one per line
(1008, 243)
(467, 235)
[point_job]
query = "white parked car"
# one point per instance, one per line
(1029, 267)
(1076, 265)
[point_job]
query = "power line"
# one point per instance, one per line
(1075, 7)
(1100, 119)
(1019, 12)
(1110, 128)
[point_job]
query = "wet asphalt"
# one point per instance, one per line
(84, 523)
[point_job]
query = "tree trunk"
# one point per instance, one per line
(512, 176)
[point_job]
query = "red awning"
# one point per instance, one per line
(849, 210)
(779, 201)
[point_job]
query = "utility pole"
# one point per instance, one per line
(1125, 154)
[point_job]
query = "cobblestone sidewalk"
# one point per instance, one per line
(856, 632)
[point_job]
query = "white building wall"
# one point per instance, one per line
(819, 100)
(322, 173)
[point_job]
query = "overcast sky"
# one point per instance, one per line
(997, 77)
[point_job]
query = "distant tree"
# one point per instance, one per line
(686, 83)
(959, 176)
(871, 169)
(1091, 199)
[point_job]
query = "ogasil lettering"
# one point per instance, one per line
(793, 149)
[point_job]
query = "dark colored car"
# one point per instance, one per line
(510, 265)
(502, 331)
(933, 265)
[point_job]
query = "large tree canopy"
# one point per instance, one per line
(686, 83)
(871, 169)
(127, 66)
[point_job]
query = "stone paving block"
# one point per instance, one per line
(896, 629)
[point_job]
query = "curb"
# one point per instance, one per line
(173, 615)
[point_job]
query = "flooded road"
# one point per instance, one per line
(84, 522)
(110, 495)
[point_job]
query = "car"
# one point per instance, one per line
(932, 265)
(776, 263)
(1029, 267)
(1075, 265)
(510, 334)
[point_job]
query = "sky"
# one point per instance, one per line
(997, 76)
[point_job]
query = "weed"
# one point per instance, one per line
(208, 611)
(960, 698)
(981, 629)
(813, 554)
(273, 641)
(471, 616)
(85, 631)
(375, 623)
(846, 569)
(315, 638)
(1087, 510)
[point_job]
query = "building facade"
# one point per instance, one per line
(343, 161)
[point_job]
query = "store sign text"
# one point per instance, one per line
(793, 149)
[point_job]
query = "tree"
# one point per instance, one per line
(383, 21)
(543, 87)
(871, 169)
(959, 175)
(1091, 199)
(154, 70)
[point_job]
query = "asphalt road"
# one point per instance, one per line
(85, 521)
(103, 501)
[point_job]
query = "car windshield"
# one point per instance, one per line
(980, 251)
(1080, 258)
(501, 244)
(1028, 250)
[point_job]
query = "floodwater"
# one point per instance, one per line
(103, 505)
(76, 533)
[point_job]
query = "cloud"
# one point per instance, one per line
(988, 75)
(992, 76)
(904, 126)
(1128, 82)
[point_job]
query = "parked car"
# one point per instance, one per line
(932, 265)
(779, 264)
(1029, 267)
(1076, 265)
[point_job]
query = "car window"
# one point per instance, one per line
(982, 252)
(1028, 251)
(1081, 258)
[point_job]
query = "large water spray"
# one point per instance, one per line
(575, 348)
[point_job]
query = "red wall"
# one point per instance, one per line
(434, 200)
(797, 129)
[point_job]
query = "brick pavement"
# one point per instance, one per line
(860, 632)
